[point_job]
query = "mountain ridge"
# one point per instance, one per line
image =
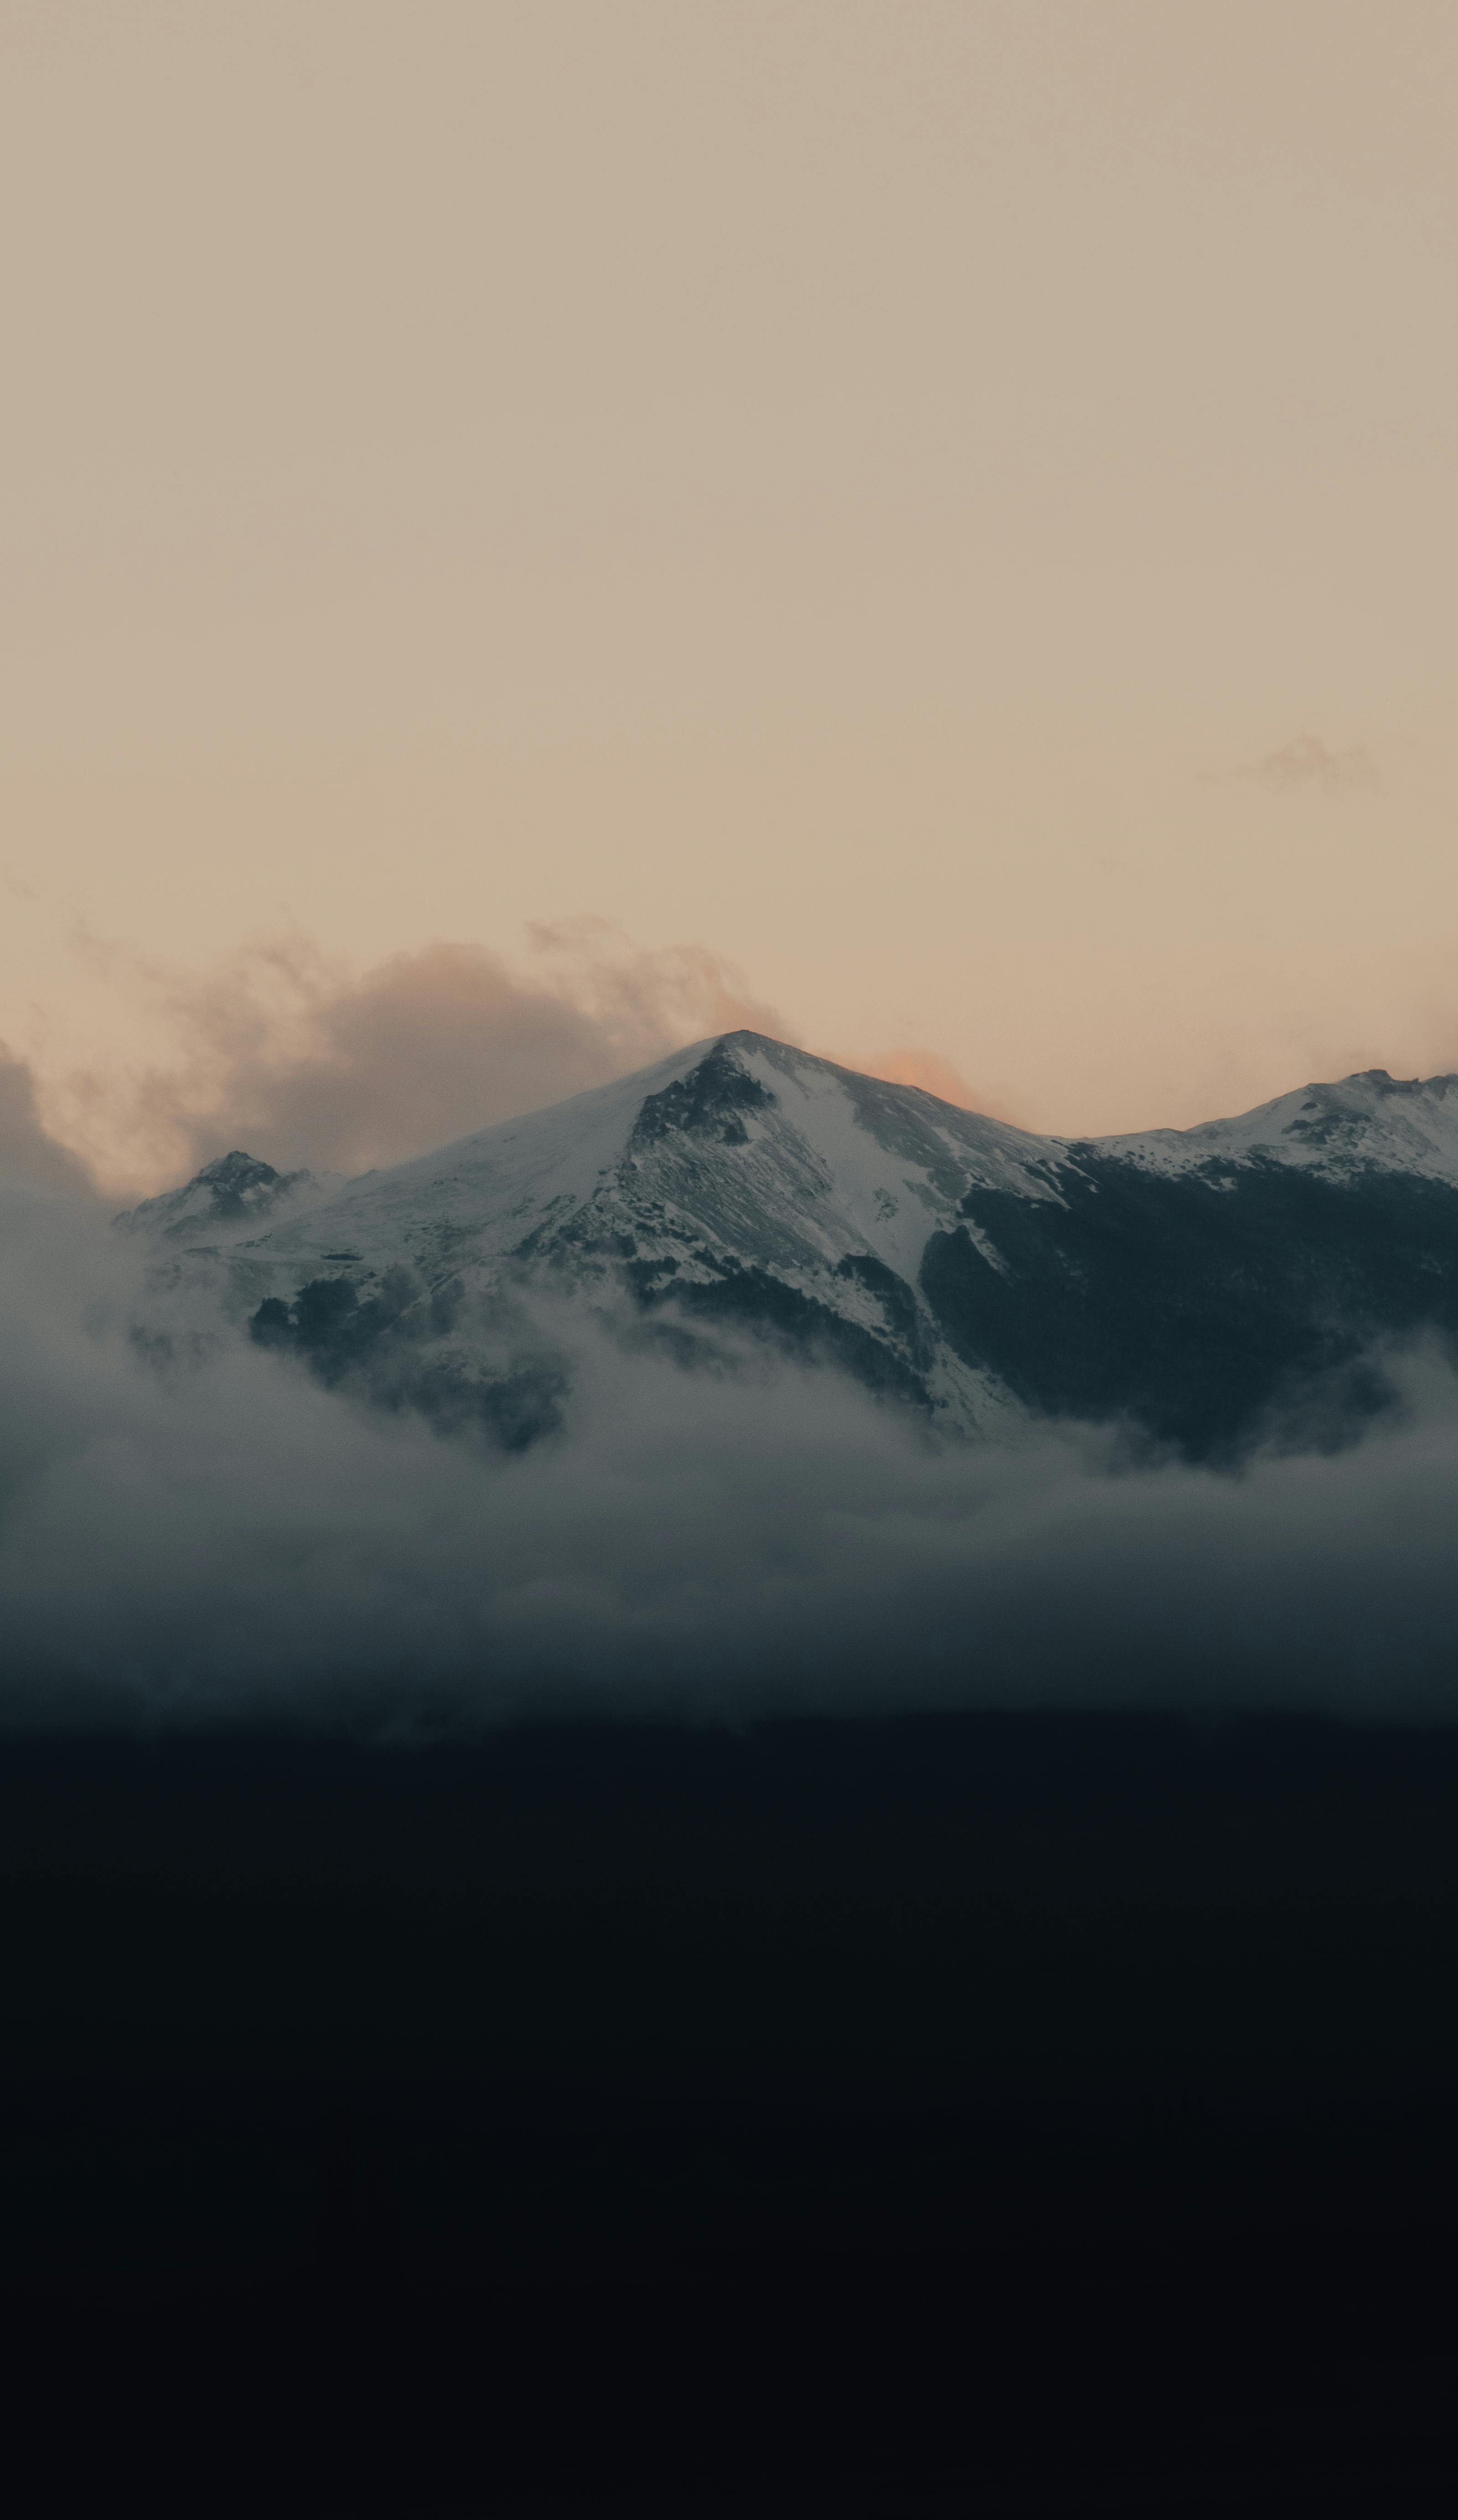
(1186, 1282)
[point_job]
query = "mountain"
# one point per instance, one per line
(1202, 1285)
(227, 1198)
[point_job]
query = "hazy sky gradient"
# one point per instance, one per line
(952, 506)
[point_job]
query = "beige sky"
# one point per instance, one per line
(950, 504)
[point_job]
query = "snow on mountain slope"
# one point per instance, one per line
(738, 1181)
(1389, 1124)
(742, 1188)
(824, 1163)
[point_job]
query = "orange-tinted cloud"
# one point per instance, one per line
(284, 1052)
(933, 1074)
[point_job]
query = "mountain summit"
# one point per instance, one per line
(234, 1194)
(1191, 1282)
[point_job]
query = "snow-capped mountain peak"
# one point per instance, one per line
(231, 1195)
(1368, 1121)
(742, 1188)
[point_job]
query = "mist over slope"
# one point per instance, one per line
(717, 1516)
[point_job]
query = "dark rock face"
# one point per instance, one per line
(384, 1347)
(710, 1103)
(1199, 1305)
(234, 1180)
(788, 1319)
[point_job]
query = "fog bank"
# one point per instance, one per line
(219, 1540)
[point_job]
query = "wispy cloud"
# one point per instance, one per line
(27, 1151)
(284, 1051)
(287, 1053)
(1307, 762)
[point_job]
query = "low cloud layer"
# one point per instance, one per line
(224, 1541)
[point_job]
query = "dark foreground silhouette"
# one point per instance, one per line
(937, 2116)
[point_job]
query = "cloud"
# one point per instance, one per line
(933, 1075)
(221, 1541)
(284, 1052)
(1307, 762)
(27, 1153)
